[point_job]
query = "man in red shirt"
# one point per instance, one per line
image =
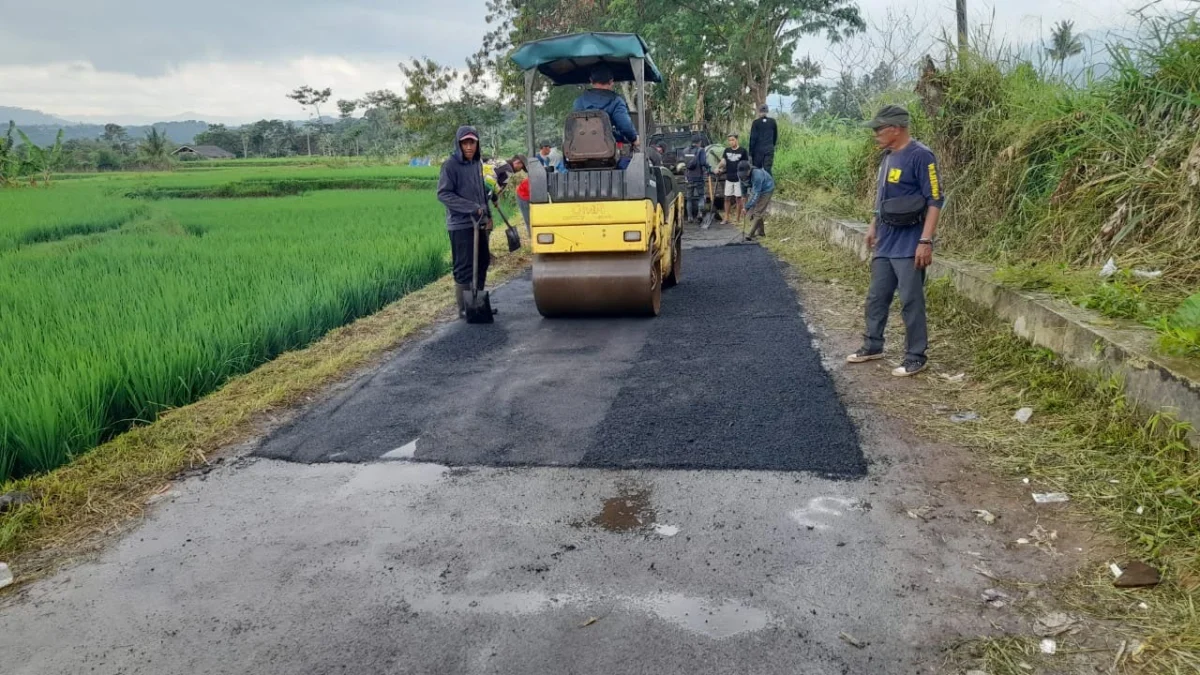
(523, 204)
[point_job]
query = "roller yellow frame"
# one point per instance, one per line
(592, 227)
(609, 240)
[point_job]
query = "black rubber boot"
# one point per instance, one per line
(459, 290)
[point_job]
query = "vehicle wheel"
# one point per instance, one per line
(656, 284)
(676, 272)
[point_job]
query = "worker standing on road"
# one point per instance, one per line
(763, 135)
(733, 155)
(462, 190)
(762, 186)
(695, 171)
(908, 203)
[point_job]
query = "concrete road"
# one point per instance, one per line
(681, 495)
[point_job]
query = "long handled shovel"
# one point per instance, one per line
(510, 232)
(477, 306)
(711, 212)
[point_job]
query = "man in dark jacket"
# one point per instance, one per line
(696, 171)
(602, 97)
(763, 134)
(462, 190)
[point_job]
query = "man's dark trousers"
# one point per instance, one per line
(462, 254)
(887, 276)
(764, 159)
(695, 199)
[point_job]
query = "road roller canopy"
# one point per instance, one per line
(569, 59)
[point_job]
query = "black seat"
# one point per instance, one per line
(588, 141)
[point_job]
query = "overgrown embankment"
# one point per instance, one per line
(1134, 477)
(1049, 181)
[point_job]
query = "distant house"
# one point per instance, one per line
(203, 152)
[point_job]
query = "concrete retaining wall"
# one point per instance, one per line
(1151, 381)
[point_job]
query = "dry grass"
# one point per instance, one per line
(105, 489)
(1084, 439)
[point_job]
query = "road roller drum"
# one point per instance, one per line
(597, 284)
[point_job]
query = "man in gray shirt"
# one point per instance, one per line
(908, 203)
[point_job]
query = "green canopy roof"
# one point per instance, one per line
(569, 59)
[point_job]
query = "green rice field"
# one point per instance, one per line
(115, 307)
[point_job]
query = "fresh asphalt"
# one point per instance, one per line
(680, 495)
(725, 378)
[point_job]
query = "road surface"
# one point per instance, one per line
(687, 494)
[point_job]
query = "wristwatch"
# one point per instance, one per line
(925, 241)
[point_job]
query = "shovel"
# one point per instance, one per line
(510, 232)
(710, 208)
(477, 305)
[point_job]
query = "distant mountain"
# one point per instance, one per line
(27, 116)
(44, 134)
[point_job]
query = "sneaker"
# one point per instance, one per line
(863, 355)
(909, 367)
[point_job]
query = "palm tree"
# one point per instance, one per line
(1064, 44)
(154, 150)
(808, 93)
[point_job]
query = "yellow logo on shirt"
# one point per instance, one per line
(894, 175)
(933, 181)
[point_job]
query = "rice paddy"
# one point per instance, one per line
(114, 308)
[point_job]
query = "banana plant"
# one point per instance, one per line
(45, 161)
(10, 162)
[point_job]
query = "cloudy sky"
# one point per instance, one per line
(138, 60)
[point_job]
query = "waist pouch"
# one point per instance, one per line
(905, 211)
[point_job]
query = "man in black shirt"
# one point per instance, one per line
(734, 155)
(763, 134)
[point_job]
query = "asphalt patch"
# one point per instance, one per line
(727, 377)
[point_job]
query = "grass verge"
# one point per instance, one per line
(1131, 473)
(106, 488)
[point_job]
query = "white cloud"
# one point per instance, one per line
(1013, 23)
(230, 91)
(133, 63)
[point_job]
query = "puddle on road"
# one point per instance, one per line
(701, 615)
(391, 477)
(513, 604)
(626, 512)
(710, 617)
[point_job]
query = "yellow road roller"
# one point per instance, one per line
(607, 222)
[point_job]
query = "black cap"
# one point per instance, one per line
(545, 144)
(601, 75)
(697, 138)
(889, 116)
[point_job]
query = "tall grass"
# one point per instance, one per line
(827, 155)
(1039, 172)
(109, 330)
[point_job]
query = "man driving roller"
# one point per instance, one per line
(601, 96)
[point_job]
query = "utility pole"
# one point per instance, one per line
(961, 10)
